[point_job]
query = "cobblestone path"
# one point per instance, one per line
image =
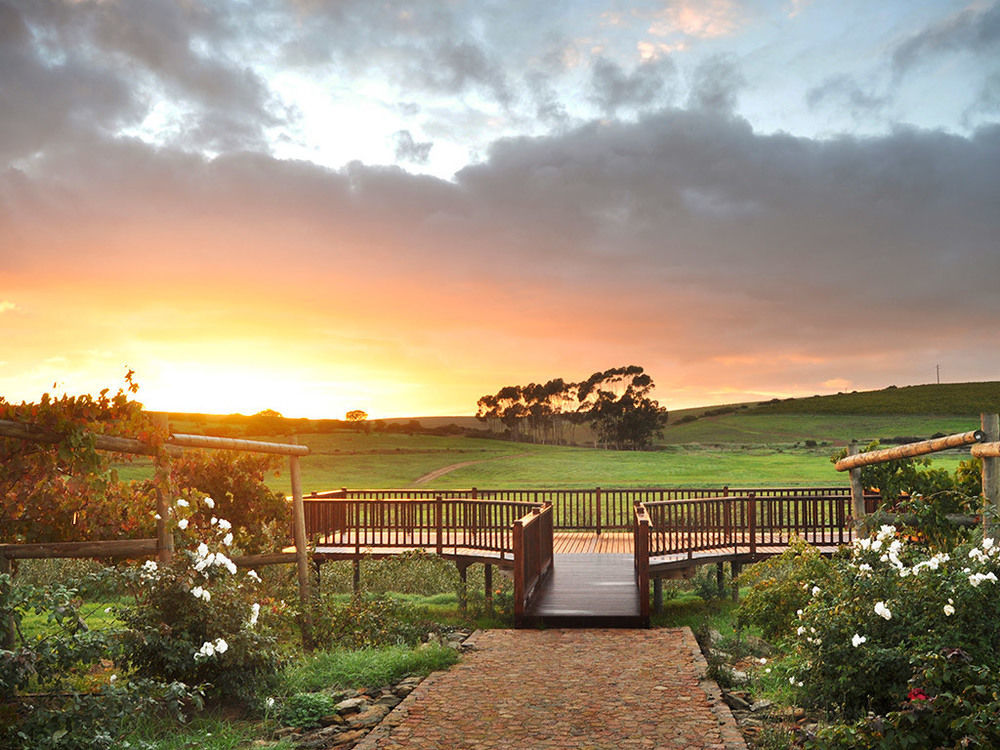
(566, 690)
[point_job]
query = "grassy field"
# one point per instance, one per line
(785, 443)
(741, 449)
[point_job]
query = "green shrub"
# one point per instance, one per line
(368, 622)
(779, 587)
(305, 710)
(65, 709)
(893, 606)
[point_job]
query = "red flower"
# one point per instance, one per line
(916, 694)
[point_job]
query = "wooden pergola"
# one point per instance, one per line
(162, 546)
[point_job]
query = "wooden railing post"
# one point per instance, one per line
(598, 510)
(752, 523)
(519, 578)
(439, 513)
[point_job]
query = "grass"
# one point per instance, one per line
(365, 668)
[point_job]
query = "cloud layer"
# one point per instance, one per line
(664, 229)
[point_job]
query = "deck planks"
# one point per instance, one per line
(588, 590)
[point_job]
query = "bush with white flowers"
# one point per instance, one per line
(890, 608)
(196, 620)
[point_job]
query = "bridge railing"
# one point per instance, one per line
(742, 523)
(592, 509)
(436, 523)
(532, 536)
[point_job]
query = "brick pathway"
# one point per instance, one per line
(566, 690)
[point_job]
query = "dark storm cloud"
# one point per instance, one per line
(844, 92)
(715, 84)
(72, 68)
(974, 29)
(456, 67)
(46, 99)
(409, 150)
(649, 85)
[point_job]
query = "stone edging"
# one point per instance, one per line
(731, 735)
(400, 713)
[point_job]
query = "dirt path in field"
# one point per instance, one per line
(431, 476)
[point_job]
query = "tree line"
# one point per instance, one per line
(616, 403)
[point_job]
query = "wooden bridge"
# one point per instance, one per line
(578, 557)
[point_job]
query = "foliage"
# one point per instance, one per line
(236, 482)
(197, 620)
(306, 710)
(65, 710)
(367, 622)
(961, 399)
(67, 490)
(780, 586)
(615, 402)
(892, 606)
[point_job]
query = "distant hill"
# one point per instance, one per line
(946, 399)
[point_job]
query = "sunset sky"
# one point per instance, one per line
(321, 205)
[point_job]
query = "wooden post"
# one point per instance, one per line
(598, 511)
(439, 523)
(301, 549)
(857, 492)
(752, 523)
(991, 468)
(6, 628)
(164, 537)
(488, 587)
(356, 576)
(657, 595)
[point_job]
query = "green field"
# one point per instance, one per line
(784, 443)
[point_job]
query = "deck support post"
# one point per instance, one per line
(657, 595)
(991, 470)
(463, 585)
(356, 581)
(488, 587)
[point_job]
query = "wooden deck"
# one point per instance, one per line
(588, 590)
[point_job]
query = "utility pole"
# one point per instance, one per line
(938, 374)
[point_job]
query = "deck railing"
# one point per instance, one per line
(593, 509)
(743, 523)
(437, 523)
(532, 556)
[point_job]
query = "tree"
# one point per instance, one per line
(616, 402)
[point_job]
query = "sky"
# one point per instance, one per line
(314, 206)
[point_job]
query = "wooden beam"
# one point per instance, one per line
(112, 548)
(986, 450)
(232, 444)
(909, 450)
(173, 445)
